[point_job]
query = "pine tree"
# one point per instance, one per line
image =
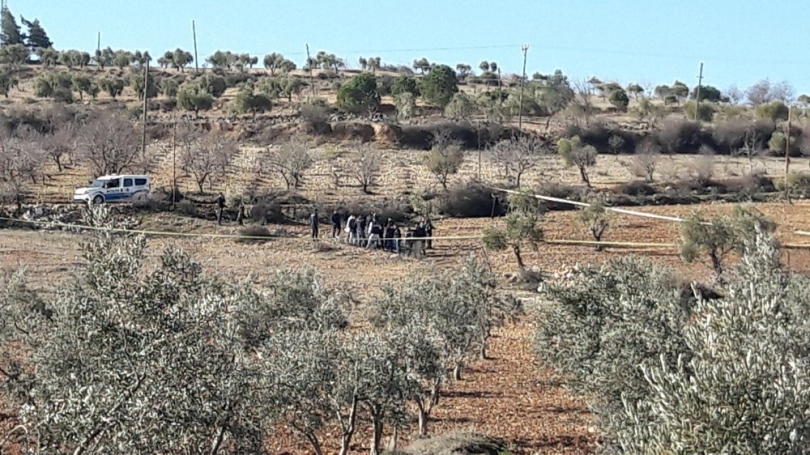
(9, 29)
(37, 38)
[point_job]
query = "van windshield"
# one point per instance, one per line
(98, 183)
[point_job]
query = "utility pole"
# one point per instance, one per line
(194, 36)
(787, 156)
(525, 49)
(174, 159)
(309, 65)
(145, 105)
(697, 92)
(98, 44)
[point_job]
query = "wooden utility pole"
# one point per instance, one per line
(194, 36)
(145, 105)
(787, 156)
(174, 159)
(98, 44)
(309, 65)
(525, 49)
(697, 93)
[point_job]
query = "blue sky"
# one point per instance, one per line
(739, 41)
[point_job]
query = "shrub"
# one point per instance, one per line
(706, 113)
(743, 389)
(798, 182)
(470, 200)
(254, 234)
(604, 324)
(773, 111)
(635, 188)
(678, 135)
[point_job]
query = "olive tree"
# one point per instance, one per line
(743, 389)
(574, 153)
(111, 358)
(603, 324)
(445, 158)
(596, 220)
(521, 226)
(720, 236)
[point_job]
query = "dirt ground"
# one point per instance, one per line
(510, 395)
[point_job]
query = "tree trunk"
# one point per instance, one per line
(482, 352)
(58, 161)
(376, 436)
(457, 372)
(423, 421)
(200, 185)
(518, 257)
(392, 445)
(348, 430)
(316, 445)
(584, 176)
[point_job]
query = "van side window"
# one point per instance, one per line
(127, 182)
(140, 182)
(114, 183)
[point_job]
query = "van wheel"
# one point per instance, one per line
(98, 199)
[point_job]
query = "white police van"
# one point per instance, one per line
(114, 188)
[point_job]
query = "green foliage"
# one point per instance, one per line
(521, 226)
(596, 220)
(14, 54)
(36, 38)
(83, 84)
(619, 99)
(168, 87)
(742, 388)
(708, 93)
(113, 86)
(249, 101)
(706, 114)
(10, 33)
(445, 158)
(460, 106)
(574, 153)
(774, 111)
(603, 325)
(439, 86)
(359, 94)
(719, 237)
(213, 84)
(193, 97)
(48, 57)
(136, 81)
(55, 85)
(405, 84)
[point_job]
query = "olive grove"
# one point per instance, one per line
(145, 355)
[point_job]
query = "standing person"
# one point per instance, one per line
(361, 230)
(374, 236)
(389, 236)
(429, 233)
(240, 213)
(336, 225)
(313, 224)
(220, 207)
(397, 238)
(351, 225)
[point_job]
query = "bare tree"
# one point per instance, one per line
(365, 165)
(581, 105)
(520, 154)
(734, 94)
(60, 144)
(291, 160)
(208, 157)
(702, 166)
(109, 143)
(646, 159)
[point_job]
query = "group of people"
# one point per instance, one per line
(371, 232)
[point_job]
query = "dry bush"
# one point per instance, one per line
(254, 234)
(470, 200)
(457, 443)
(646, 160)
(678, 135)
(702, 166)
(520, 155)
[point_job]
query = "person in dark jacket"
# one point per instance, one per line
(336, 225)
(361, 230)
(220, 207)
(374, 236)
(388, 235)
(428, 234)
(313, 223)
(397, 239)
